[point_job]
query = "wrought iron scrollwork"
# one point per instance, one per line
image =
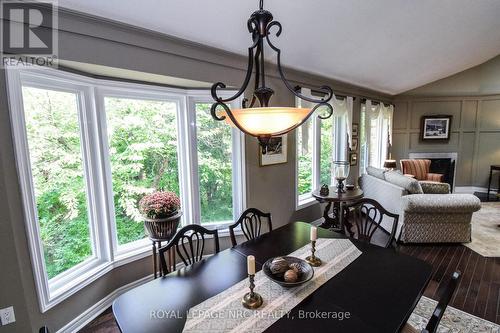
(260, 25)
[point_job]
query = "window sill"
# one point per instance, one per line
(305, 202)
(79, 279)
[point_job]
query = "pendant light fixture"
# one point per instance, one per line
(264, 121)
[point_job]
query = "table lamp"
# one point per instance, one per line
(390, 164)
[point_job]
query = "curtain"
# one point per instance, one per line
(376, 136)
(343, 108)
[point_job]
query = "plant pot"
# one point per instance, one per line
(162, 229)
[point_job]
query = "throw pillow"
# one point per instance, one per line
(375, 172)
(409, 184)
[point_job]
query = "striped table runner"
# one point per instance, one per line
(225, 313)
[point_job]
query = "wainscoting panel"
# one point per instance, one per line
(432, 147)
(489, 150)
(475, 132)
(401, 116)
(420, 109)
(465, 159)
(490, 115)
(469, 111)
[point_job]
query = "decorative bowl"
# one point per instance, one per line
(306, 272)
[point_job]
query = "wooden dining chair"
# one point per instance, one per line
(251, 224)
(189, 244)
(365, 216)
(438, 312)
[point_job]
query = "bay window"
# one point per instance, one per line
(87, 150)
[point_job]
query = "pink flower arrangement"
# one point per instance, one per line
(159, 205)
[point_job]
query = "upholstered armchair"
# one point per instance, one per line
(419, 169)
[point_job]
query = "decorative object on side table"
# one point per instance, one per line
(251, 300)
(340, 173)
(324, 191)
(435, 128)
(161, 212)
(312, 259)
(275, 152)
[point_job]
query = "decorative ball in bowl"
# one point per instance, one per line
(288, 271)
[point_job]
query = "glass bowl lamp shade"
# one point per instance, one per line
(340, 170)
(268, 121)
(256, 117)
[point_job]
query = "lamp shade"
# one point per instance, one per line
(269, 120)
(390, 164)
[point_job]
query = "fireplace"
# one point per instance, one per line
(443, 163)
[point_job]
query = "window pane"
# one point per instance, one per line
(304, 155)
(56, 164)
(142, 138)
(214, 166)
(327, 150)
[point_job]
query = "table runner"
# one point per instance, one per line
(225, 313)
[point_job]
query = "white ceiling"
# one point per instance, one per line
(386, 45)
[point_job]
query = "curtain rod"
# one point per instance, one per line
(375, 102)
(320, 93)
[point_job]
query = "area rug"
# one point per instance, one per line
(485, 230)
(454, 320)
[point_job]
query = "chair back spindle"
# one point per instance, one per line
(366, 217)
(189, 244)
(250, 222)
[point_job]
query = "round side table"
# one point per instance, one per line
(337, 200)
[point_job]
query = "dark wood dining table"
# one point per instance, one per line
(379, 289)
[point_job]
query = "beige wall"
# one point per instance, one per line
(473, 99)
(89, 40)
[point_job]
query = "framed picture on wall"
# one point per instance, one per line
(355, 130)
(276, 151)
(354, 144)
(353, 159)
(435, 128)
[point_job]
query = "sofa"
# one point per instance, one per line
(428, 212)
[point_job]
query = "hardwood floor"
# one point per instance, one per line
(478, 292)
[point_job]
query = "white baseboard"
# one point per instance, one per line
(472, 189)
(91, 313)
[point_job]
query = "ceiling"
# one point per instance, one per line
(386, 45)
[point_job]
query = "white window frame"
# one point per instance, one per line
(238, 162)
(96, 165)
(305, 200)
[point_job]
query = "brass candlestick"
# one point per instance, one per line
(312, 259)
(251, 300)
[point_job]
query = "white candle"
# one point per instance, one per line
(251, 265)
(314, 233)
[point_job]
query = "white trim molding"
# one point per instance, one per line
(95, 310)
(473, 189)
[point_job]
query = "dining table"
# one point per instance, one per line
(379, 290)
